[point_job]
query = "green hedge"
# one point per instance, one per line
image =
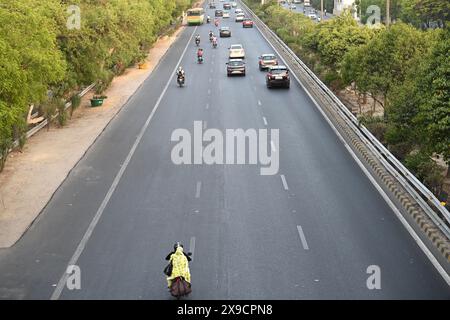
(39, 54)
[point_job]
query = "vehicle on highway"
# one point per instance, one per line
(235, 66)
(226, 14)
(240, 17)
(180, 76)
(237, 51)
(218, 13)
(237, 11)
(224, 32)
(200, 55)
(212, 5)
(234, 4)
(195, 16)
(293, 6)
(312, 16)
(278, 76)
(197, 40)
(247, 23)
(177, 272)
(267, 60)
(226, 6)
(214, 42)
(307, 3)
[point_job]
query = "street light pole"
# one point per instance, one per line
(321, 10)
(388, 9)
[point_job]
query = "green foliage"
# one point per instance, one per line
(75, 103)
(433, 84)
(416, 12)
(39, 53)
(426, 170)
(335, 37)
(383, 62)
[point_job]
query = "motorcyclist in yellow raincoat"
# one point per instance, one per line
(180, 264)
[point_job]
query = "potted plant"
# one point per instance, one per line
(97, 101)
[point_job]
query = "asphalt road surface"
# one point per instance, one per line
(308, 232)
(299, 9)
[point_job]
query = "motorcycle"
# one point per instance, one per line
(200, 59)
(211, 37)
(214, 44)
(208, 20)
(180, 80)
(197, 42)
(180, 288)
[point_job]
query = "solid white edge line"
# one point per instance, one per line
(302, 238)
(60, 287)
(411, 231)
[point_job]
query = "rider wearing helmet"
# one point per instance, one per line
(200, 53)
(180, 71)
(180, 264)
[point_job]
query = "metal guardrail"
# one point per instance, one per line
(41, 125)
(424, 197)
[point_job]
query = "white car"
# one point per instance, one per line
(226, 14)
(237, 51)
(312, 16)
(238, 11)
(234, 4)
(240, 17)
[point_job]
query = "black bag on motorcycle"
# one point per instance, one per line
(168, 269)
(180, 287)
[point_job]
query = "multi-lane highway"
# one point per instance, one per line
(300, 8)
(308, 232)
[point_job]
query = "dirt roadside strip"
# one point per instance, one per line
(50, 155)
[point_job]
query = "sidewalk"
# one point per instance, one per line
(31, 177)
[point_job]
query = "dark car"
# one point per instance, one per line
(235, 66)
(226, 6)
(212, 5)
(218, 13)
(278, 76)
(247, 23)
(224, 32)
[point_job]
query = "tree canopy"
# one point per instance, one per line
(41, 58)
